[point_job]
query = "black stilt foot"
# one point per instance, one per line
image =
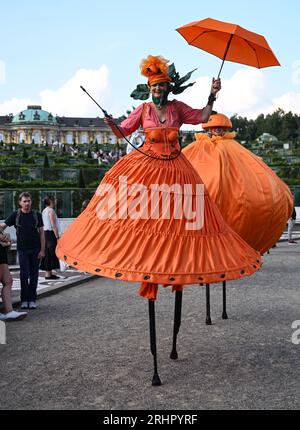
(155, 380)
(177, 323)
(208, 319)
(224, 313)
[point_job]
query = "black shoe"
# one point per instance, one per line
(52, 277)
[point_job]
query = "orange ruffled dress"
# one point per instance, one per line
(156, 249)
(253, 200)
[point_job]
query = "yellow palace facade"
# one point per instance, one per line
(35, 125)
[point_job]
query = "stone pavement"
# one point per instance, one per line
(88, 346)
(67, 279)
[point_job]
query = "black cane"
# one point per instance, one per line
(177, 323)
(224, 314)
(208, 319)
(155, 380)
(103, 110)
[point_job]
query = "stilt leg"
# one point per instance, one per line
(177, 322)
(224, 314)
(208, 320)
(155, 380)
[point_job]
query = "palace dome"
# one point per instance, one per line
(35, 114)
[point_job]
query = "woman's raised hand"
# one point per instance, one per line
(215, 86)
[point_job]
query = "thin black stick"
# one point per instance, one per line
(155, 380)
(208, 319)
(224, 314)
(177, 323)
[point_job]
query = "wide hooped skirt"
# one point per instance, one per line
(139, 226)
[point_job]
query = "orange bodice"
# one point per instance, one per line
(163, 141)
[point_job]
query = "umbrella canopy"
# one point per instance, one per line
(229, 42)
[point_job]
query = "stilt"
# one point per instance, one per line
(224, 314)
(177, 322)
(155, 380)
(208, 320)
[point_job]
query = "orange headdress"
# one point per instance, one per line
(217, 120)
(155, 68)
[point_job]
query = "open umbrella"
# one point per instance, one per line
(229, 42)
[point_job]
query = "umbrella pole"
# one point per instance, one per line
(208, 319)
(224, 314)
(177, 322)
(155, 380)
(224, 58)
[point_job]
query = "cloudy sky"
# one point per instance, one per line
(49, 49)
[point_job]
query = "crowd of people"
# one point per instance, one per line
(107, 157)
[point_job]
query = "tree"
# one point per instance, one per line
(25, 153)
(96, 146)
(289, 128)
(89, 154)
(46, 161)
(260, 124)
(81, 183)
(240, 125)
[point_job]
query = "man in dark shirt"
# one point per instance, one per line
(30, 247)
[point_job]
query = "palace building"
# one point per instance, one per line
(35, 125)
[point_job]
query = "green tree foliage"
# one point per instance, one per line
(285, 126)
(25, 153)
(46, 161)
(81, 183)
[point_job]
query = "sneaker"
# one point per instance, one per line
(24, 305)
(52, 277)
(292, 241)
(13, 316)
(32, 305)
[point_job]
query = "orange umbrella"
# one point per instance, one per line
(229, 42)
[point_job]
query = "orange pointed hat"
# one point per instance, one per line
(155, 68)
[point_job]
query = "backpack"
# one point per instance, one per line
(17, 223)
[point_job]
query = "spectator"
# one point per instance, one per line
(50, 261)
(7, 281)
(84, 204)
(30, 246)
(291, 224)
(137, 140)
